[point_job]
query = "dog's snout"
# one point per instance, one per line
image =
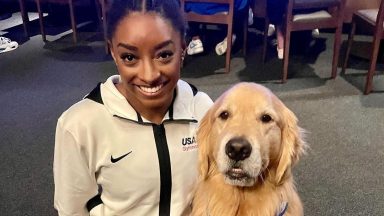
(238, 149)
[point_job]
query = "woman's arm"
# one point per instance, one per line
(75, 183)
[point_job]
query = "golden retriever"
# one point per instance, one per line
(248, 142)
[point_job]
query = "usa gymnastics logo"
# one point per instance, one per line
(189, 143)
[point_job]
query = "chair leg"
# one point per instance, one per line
(104, 16)
(41, 21)
(73, 20)
(287, 40)
(349, 46)
(98, 11)
(372, 65)
(336, 51)
(24, 16)
(229, 50)
(265, 40)
(245, 34)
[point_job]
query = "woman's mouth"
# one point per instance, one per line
(151, 90)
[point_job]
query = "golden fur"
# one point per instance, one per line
(259, 184)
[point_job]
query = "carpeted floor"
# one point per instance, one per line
(342, 174)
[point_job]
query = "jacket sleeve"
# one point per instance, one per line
(75, 182)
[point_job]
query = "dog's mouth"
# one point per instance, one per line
(236, 174)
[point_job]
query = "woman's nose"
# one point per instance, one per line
(149, 72)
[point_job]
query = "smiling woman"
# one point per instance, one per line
(122, 149)
(147, 52)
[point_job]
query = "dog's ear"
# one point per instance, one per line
(203, 137)
(292, 143)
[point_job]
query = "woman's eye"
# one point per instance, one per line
(165, 55)
(224, 115)
(128, 57)
(266, 118)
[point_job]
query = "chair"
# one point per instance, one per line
(24, 16)
(328, 14)
(219, 18)
(371, 20)
(104, 6)
(259, 9)
(71, 11)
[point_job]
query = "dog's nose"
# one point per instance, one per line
(238, 149)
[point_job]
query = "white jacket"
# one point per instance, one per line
(111, 161)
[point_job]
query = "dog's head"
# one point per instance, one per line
(248, 134)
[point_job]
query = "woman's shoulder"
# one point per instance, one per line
(80, 112)
(91, 106)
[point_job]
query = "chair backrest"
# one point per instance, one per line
(218, 18)
(332, 18)
(64, 2)
(304, 4)
(372, 19)
(352, 6)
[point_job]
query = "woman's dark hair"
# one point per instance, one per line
(168, 9)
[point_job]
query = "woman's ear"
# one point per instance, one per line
(111, 50)
(183, 53)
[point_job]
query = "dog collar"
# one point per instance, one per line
(283, 208)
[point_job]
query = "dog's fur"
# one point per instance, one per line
(259, 184)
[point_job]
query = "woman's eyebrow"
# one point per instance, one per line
(163, 44)
(127, 46)
(157, 47)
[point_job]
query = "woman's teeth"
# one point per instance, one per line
(151, 89)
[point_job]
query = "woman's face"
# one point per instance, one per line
(147, 52)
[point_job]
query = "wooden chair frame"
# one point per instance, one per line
(259, 8)
(219, 18)
(335, 21)
(24, 16)
(72, 15)
(103, 6)
(378, 34)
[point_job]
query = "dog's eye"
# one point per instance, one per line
(224, 115)
(266, 118)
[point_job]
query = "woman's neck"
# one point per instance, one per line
(155, 115)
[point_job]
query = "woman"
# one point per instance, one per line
(128, 148)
